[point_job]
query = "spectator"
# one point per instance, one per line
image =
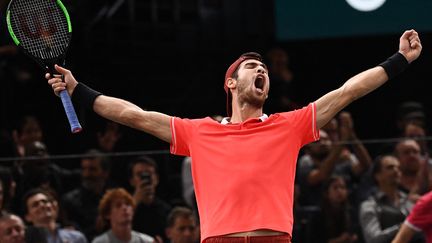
(12, 229)
(336, 221)
(151, 212)
(383, 212)
(282, 80)
(419, 220)
(413, 166)
(411, 111)
(42, 211)
(116, 211)
(28, 130)
(81, 203)
(330, 156)
(354, 159)
(40, 171)
(182, 226)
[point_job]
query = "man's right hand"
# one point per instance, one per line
(57, 83)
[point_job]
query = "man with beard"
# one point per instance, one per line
(81, 204)
(415, 178)
(244, 167)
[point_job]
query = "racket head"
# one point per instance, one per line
(42, 28)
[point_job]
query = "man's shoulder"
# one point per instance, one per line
(103, 238)
(142, 238)
(69, 234)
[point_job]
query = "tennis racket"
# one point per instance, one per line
(42, 29)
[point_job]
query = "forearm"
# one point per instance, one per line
(128, 114)
(326, 167)
(116, 109)
(362, 155)
(365, 82)
(359, 85)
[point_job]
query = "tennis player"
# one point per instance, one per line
(243, 168)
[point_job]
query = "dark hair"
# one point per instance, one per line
(30, 193)
(247, 55)
(105, 161)
(377, 165)
(142, 160)
(178, 212)
(23, 121)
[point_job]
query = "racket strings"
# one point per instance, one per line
(41, 27)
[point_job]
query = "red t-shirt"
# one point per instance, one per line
(244, 173)
(420, 217)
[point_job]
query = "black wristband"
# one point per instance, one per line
(394, 65)
(84, 95)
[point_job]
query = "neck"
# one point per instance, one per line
(244, 113)
(390, 191)
(123, 232)
(50, 225)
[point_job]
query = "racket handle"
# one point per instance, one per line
(70, 112)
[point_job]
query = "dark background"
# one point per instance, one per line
(171, 56)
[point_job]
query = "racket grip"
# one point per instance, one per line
(70, 112)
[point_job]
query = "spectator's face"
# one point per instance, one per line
(12, 230)
(184, 230)
(390, 173)
(337, 192)
(141, 168)
(416, 132)
(121, 213)
(31, 132)
(40, 209)
(408, 153)
(92, 173)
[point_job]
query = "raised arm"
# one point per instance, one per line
(115, 109)
(361, 84)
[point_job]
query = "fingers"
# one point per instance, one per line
(56, 83)
(61, 70)
(412, 37)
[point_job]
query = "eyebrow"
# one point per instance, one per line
(257, 64)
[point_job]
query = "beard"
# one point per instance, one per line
(247, 96)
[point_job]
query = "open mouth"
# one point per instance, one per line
(259, 83)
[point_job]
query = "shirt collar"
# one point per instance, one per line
(226, 120)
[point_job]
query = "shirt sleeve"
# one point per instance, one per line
(181, 136)
(420, 217)
(304, 121)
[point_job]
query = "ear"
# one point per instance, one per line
(231, 83)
